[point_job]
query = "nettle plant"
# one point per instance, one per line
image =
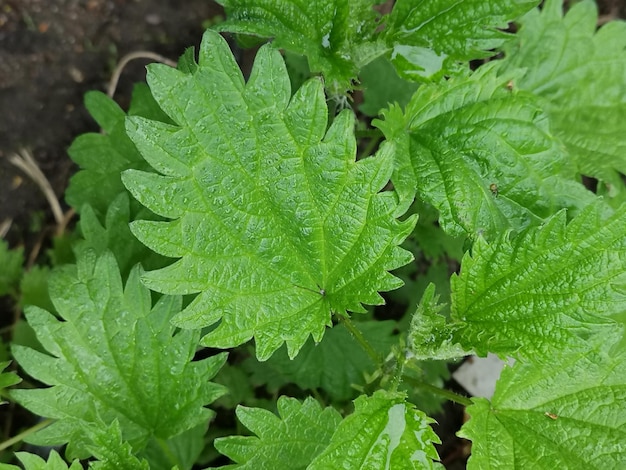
(261, 224)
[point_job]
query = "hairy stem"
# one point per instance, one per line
(371, 352)
(447, 394)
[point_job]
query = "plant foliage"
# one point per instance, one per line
(221, 209)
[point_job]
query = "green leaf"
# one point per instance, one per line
(581, 75)
(275, 223)
(335, 364)
(11, 262)
(567, 414)
(296, 436)
(381, 86)
(384, 432)
(7, 379)
(109, 448)
(547, 289)
(237, 381)
(34, 288)
(428, 38)
(481, 154)
(101, 157)
(336, 36)
(115, 357)
(116, 236)
(180, 451)
(34, 462)
(429, 334)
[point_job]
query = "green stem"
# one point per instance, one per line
(371, 352)
(449, 395)
(15, 439)
(371, 133)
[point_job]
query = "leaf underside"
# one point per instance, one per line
(275, 224)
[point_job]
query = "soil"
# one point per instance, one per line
(52, 52)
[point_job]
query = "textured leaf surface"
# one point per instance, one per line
(34, 462)
(295, 437)
(548, 288)
(275, 223)
(116, 237)
(429, 334)
(114, 357)
(428, 37)
(334, 365)
(180, 451)
(581, 74)
(334, 35)
(481, 154)
(108, 446)
(566, 414)
(384, 432)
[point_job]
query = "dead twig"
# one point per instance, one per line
(132, 56)
(25, 162)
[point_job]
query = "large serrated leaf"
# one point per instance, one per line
(384, 433)
(336, 36)
(275, 223)
(581, 75)
(482, 154)
(565, 414)
(428, 37)
(294, 438)
(550, 288)
(115, 357)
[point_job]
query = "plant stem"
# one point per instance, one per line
(455, 397)
(371, 352)
(15, 439)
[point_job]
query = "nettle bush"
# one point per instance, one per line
(261, 224)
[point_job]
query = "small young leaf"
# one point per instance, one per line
(428, 38)
(34, 288)
(34, 462)
(110, 449)
(581, 74)
(481, 154)
(384, 432)
(295, 437)
(548, 288)
(336, 36)
(180, 451)
(102, 157)
(430, 336)
(566, 414)
(114, 357)
(276, 223)
(335, 364)
(7, 379)
(11, 272)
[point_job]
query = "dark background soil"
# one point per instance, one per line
(53, 51)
